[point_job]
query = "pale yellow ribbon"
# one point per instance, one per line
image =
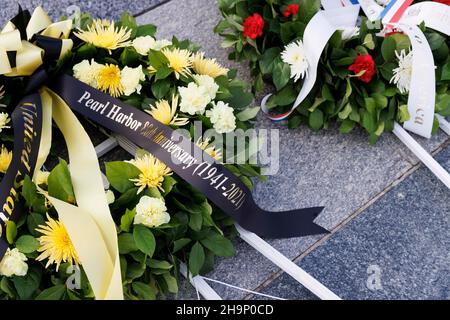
(89, 225)
(29, 56)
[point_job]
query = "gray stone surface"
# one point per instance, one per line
(341, 172)
(405, 233)
(99, 8)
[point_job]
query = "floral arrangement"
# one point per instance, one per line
(161, 220)
(363, 78)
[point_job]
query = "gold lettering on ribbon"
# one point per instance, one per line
(29, 113)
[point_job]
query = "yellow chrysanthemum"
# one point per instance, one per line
(108, 80)
(179, 60)
(166, 114)
(209, 149)
(208, 67)
(55, 244)
(152, 173)
(5, 159)
(105, 35)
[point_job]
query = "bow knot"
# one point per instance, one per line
(27, 41)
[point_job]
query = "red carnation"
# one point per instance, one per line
(253, 26)
(291, 9)
(447, 2)
(363, 62)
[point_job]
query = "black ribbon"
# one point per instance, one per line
(195, 166)
(27, 124)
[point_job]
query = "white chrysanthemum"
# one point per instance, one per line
(194, 99)
(143, 44)
(294, 54)
(42, 177)
(4, 120)
(222, 117)
(350, 32)
(151, 212)
(208, 83)
(159, 44)
(13, 263)
(110, 198)
(130, 79)
(402, 74)
(87, 72)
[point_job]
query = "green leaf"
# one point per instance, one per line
(52, 293)
(119, 174)
(28, 284)
(380, 100)
(196, 258)
(134, 271)
(316, 119)
(33, 221)
(168, 183)
(247, 114)
(345, 112)
(29, 191)
(269, 59)
(27, 244)
(157, 59)
(403, 113)
(163, 72)
(369, 42)
(144, 291)
(180, 243)
(127, 220)
(445, 75)
(128, 21)
(160, 88)
(11, 231)
(126, 243)
(129, 56)
(7, 287)
(195, 221)
(347, 125)
(388, 47)
(145, 240)
(157, 264)
(218, 244)
(146, 30)
(60, 183)
(171, 282)
(285, 97)
(281, 75)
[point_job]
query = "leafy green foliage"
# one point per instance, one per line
(338, 95)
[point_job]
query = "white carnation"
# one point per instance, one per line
(194, 99)
(87, 72)
(151, 212)
(4, 120)
(222, 117)
(159, 44)
(208, 83)
(130, 79)
(13, 263)
(143, 44)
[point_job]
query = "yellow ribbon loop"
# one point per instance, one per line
(90, 225)
(29, 56)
